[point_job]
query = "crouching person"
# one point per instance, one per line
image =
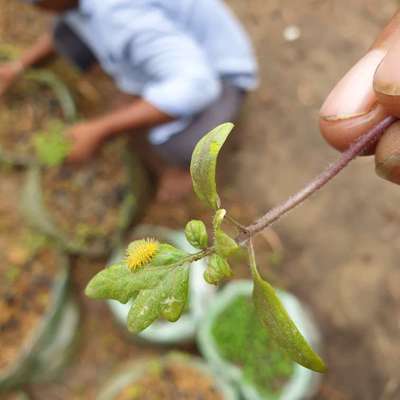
(189, 64)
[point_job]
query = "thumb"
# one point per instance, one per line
(387, 91)
(353, 106)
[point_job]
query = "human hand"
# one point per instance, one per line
(9, 73)
(365, 95)
(86, 138)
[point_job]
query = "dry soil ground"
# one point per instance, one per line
(341, 248)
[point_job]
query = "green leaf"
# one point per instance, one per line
(217, 269)
(225, 246)
(196, 234)
(51, 146)
(279, 324)
(118, 282)
(218, 218)
(204, 163)
(168, 299)
(159, 288)
(167, 255)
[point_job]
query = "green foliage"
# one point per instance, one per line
(218, 219)
(118, 282)
(204, 164)
(243, 340)
(51, 146)
(159, 288)
(196, 234)
(168, 255)
(225, 246)
(218, 269)
(12, 273)
(167, 299)
(279, 324)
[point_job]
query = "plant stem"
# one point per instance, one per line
(200, 255)
(357, 148)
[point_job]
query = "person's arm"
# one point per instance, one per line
(182, 84)
(88, 136)
(39, 52)
(365, 95)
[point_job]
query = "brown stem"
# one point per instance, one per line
(357, 148)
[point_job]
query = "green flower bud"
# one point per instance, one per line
(196, 234)
(218, 269)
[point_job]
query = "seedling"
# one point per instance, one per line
(51, 145)
(155, 276)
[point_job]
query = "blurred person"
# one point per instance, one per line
(189, 64)
(364, 96)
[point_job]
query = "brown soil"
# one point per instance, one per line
(85, 201)
(26, 110)
(173, 382)
(341, 249)
(27, 274)
(14, 396)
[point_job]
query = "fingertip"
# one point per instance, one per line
(341, 133)
(387, 155)
(387, 81)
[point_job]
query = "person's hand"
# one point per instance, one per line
(365, 95)
(86, 138)
(9, 73)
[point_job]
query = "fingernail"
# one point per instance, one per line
(389, 169)
(387, 76)
(354, 95)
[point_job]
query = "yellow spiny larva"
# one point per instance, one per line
(141, 252)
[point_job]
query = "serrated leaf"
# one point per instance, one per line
(217, 269)
(279, 324)
(204, 163)
(196, 234)
(119, 283)
(168, 299)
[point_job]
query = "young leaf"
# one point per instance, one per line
(51, 146)
(118, 282)
(196, 234)
(167, 255)
(218, 218)
(279, 324)
(167, 299)
(217, 269)
(204, 163)
(225, 246)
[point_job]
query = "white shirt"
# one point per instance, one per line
(173, 53)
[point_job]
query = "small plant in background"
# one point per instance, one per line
(51, 145)
(156, 279)
(243, 341)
